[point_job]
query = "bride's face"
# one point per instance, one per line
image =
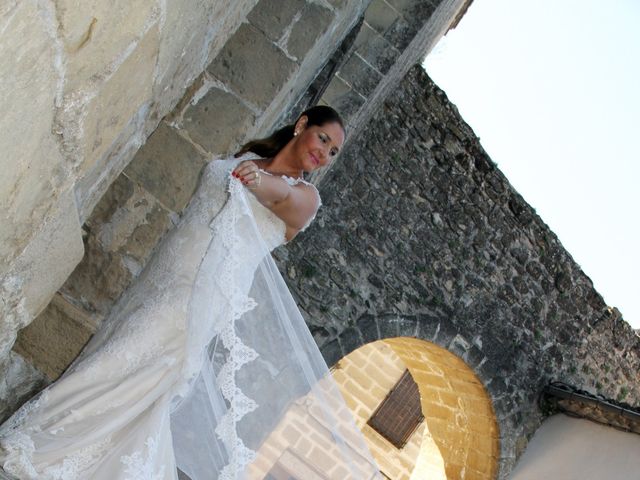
(316, 146)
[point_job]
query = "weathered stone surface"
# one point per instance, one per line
(400, 34)
(436, 240)
(313, 22)
(181, 55)
(95, 35)
(272, 17)
(168, 167)
(375, 49)
(121, 96)
(55, 337)
(218, 122)
(245, 54)
(357, 73)
(174, 70)
(415, 11)
(33, 171)
(123, 229)
(94, 183)
(380, 15)
(34, 276)
(18, 382)
(341, 97)
(339, 4)
(321, 82)
(192, 34)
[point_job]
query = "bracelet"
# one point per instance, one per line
(258, 180)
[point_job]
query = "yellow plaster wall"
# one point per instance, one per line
(458, 440)
(457, 409)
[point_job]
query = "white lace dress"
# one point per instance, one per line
(163, 379)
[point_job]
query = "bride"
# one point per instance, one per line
(205, 368)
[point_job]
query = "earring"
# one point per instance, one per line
(295, 134)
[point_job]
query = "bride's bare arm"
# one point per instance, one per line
(295, 205)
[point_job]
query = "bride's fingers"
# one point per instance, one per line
(247, 173)
(245, 169)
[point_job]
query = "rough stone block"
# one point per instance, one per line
(341, 97)
(55, 338)
(417, 12)
(25, 290)
(272, 17)
(33, 170)
(94, 183)
(338, 3)
(446, 333)
(405, 5)
(459, 345)
(313, 22)
(218, 122)
(19, 382)
(474, 357)
(41, 268)
(124, 227)
(388, 326)
(368, 328)
(193, 32)
(118, 100)
(400, 34)
(360, 75)
(375, 49)
(350, 340)
(95, 33)
(183, 48)
(380, 15)
(331, 352)
(407, 326)
(168, 167)
(252, 66)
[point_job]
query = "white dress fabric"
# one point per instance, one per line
(205, 364)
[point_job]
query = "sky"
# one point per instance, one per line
(552, 88)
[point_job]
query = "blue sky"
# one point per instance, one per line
(552, 88)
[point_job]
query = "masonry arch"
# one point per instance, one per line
(458, 437)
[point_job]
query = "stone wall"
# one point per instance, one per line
(420, 235)
(280, 58)
(83, 85)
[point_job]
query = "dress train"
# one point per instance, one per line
(205, 364)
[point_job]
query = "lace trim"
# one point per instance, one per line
(239, 354)
(74, 465)
(19, 450)
(19, 460)
(139, 468)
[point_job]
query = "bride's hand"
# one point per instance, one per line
(248, 173)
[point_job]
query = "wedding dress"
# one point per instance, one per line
(205, 364)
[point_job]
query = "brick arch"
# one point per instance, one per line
(438, 337)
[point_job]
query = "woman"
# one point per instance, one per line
(205, 364)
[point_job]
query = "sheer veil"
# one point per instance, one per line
(259, 401)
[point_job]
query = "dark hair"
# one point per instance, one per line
(268, 147)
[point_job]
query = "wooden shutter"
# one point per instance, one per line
(400, 412)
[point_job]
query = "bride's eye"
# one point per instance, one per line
(323, 138)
